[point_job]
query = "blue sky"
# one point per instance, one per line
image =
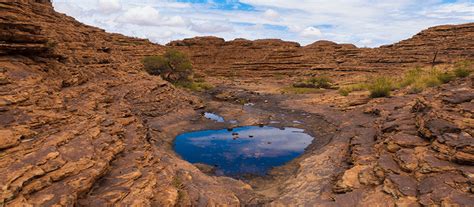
(366, 23)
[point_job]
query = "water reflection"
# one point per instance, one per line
(244, 150)
(213, 117)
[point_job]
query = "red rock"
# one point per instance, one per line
(406, 140)
(407, 159)
(403, 184)
(8, 138)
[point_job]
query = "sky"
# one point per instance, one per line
(365, 23)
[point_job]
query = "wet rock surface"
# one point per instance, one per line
(82, 125)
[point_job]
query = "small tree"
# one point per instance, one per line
(172, 66)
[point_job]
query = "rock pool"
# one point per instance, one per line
(244, 150)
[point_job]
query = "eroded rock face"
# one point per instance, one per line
(437, 45)
(73, 127)
(415, 151)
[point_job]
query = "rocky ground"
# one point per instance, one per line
(82, 124)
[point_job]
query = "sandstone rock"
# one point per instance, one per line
(205, 168)
(464, 158)
(387, 163)
(265, 57)
(406, 140)
(400, 185)
(438, 127)
(408, 201)
(407, 159)
(8, 138)
(349, 180)
(459, 97)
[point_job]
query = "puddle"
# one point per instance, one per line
(213, 117)
(244, 150)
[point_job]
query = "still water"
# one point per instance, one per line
(244, 150)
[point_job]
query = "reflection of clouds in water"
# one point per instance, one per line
(282, 141)
(214, 117)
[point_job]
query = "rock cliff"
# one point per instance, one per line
(436, 45)
(74, 105)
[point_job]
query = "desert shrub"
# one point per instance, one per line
(321, 82)
(445, 77)
(314, 82)
(410, 77)
(463, 69)
(416, 87)
(194, 86)
(430, 78)
(172, 66)
(418, 79)
(380, 87)
(346, 90)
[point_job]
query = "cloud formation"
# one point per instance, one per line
(271, 14)
(364, 23)
(109, 6)
(311, 32)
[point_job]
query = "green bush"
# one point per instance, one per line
(430, 80)
(315, 82)
(417, 87)
(410, 77)
(172, 66)
(445, 77)
(344, 91)
(194, 86)
(463, 69)
(321, 82)
(418, 79)
(380, 87)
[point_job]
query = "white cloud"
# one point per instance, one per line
(209, 27)
(271, 14)
(463, 11)
(146, 16)
(365, 42)
(304, 21)
(174, 21)
(311, 32)
(149, 16)
(109, 6)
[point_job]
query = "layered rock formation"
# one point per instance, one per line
(82, 124)
(437, 45)
(74, 106)
(412, 150)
